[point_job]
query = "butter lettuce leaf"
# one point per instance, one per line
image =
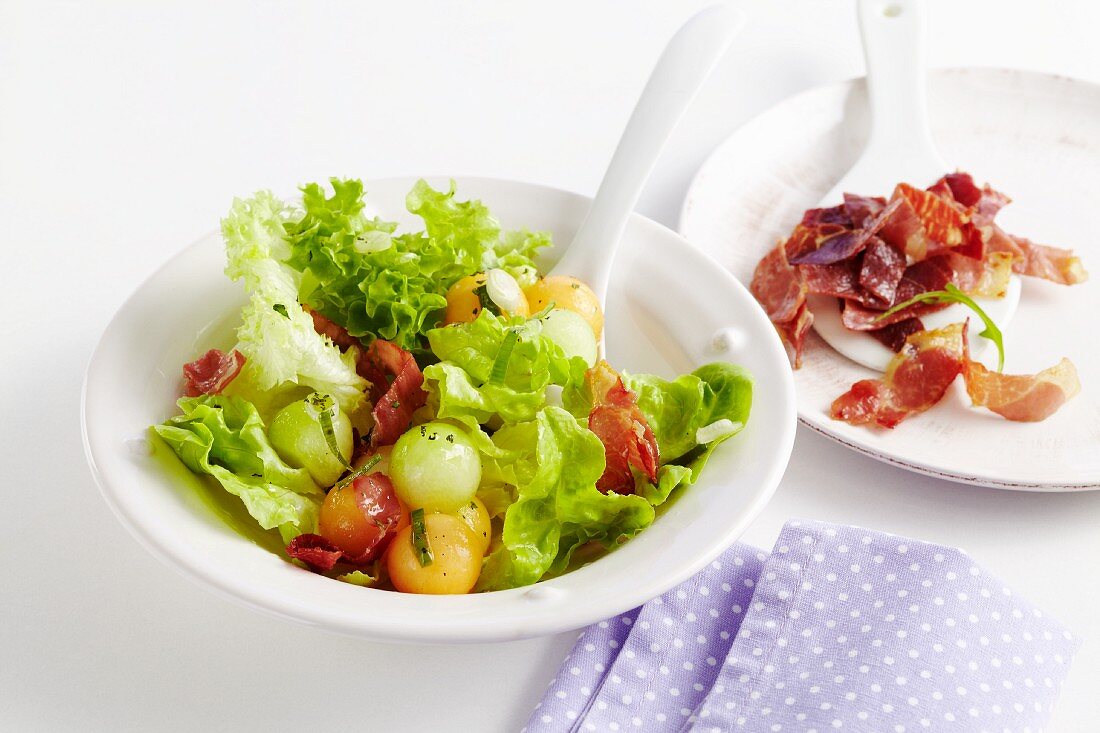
(558, 508)
(224, 437)
(479, 377)
(690, 416)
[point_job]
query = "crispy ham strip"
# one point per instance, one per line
(1022, 398)
(627, 439)
(396, 381)
(781, 289)
(923, 370)
(396, 401)
(212, 372)
(916, 379)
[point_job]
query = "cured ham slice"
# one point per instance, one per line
(839, 279)
(915, 380)
(394, 402)
(1023, 398)
(986, 277)
(1035, 260)
(628, 441)
(874, 254)
(778, 286)
(781, 290)
(881, 270)
(925, 276)
(396, 390)
(315, 551)
(835, 246)
(929, 361)
(861, 209)
(982, 203)
(335, 332)
(1039, 260)
(922, 223)
(894, 336)
(212, 372)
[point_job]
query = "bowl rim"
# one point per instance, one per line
(273, 601)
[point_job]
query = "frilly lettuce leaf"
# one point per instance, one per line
(224, 437)
(515, 253)
(360, 274)
(277, 336)
(558, 507)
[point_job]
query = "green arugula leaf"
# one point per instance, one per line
(951, 294)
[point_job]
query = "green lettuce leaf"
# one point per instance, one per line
(715, 398)
(558, 508)
(360, 274)
(669, 477)
(463, 383)
(224, 437)
(358, 577)
(515, 253)
(277, 337)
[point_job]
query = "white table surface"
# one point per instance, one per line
(126, 128)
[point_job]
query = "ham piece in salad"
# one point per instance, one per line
(873, 254)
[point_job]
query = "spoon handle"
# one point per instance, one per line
(893, 47)
(683, 67)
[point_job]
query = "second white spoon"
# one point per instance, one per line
(684, 65)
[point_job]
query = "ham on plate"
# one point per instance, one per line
(781, 289)
(916, 379)
(1022, 398)
(873, 253)
(922, 371)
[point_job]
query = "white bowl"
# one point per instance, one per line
(667, 303)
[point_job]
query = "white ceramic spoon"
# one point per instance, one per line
(680, 72)
(900, 148)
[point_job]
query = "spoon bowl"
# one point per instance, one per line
(900, 148)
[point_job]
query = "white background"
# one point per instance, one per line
(126, 128)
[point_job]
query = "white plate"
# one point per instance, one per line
(666, 303)
(1033, 136)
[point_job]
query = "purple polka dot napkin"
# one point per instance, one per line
(840, 628)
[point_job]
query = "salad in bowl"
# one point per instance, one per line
(426, 411)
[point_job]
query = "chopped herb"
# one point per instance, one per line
(545, 311)
(326, 411)
(450, 438)
(951, 294)
(420, 538)
(482, 293)
(395, 404)
(504, 355)
(365, 468)
(281, 310)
